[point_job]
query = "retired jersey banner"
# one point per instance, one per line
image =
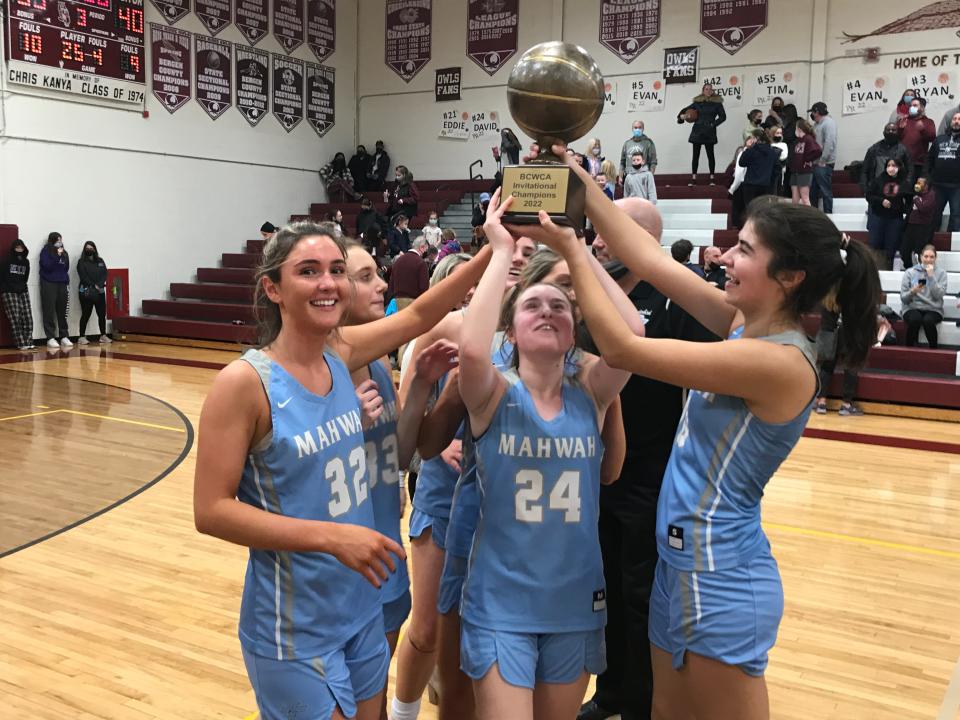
(214, 14)
(627, 27)
(732, 24)
(213, 62)
(645, 93)
(172, 10)
(321, 88)
(287, 91)
(288, 24)
(407, 31)
(252, 70)
(250, 17)
(728, 85)
(322, 27)
(492, 28)
(170, 66)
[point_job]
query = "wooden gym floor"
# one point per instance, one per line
(132, 614)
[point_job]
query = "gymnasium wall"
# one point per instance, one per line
(803, 38)
(166, 194)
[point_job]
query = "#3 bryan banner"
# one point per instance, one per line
(287, 91)
(770, 83)
(455, 124)
(492, 32)
(170, 66)
(937, 87)
(407, 35)
(731, 25)
(212, 62)
(322, 27)
(865, 94)
(250, 17)
(728, 85)
(627, 27)
(214, 14)
(288, 24)
(251, 68)
(321, 92)
(646, 93)
(171, 10)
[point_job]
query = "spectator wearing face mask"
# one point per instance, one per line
(920, 222)
(378, 169)
(54, 281)
(404, 197)
(638, 139)
(14, 273)
(92, 272)
(367, 218)
(944, 162)
(902, 109)
(789, 117)
(777, 142)
(714, 271)
(887, 196)
(639, 181)
(761, 161)
(802, 163)
(593, 159)
(774, 117)
(917, 131)
(358, 166)
(890, 148)
(825, 130)
(754, 118)
(431, 231)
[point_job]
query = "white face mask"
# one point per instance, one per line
(433, 221)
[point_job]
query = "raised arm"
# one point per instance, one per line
(433, 363)
(439, 426)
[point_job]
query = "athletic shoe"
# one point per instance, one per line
(712, 181)
(851, 409)
(693, 181)
(104, 339)
(592, 711)
(23, 347)
(66, 344)
(821, 409)
(83, 341)
(53, 344)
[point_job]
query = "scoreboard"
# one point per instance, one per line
(92, 48)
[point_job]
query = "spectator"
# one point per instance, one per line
(337, 180)
(534, 153)
(775, 134)
(14, 273)
(376, 244)
(902, 110)
(54, 280)
(761, 161)
(398, 237)
(921, 295)
(774, 118)
(736, 186)
(826, 134)
(920, 222)
(890, 148)
(409, 278)
(267, 230)
(639, 181)
(358, 166)
(480, 210)
(404, 197)
(593, 159)
(709, 115)
(604, 185)
(828, 354)
(805, 154)
(887, 198)
(431, 231)
(754, 118)
(713, 269)
(92, 272)
(681, 250)
(378, 169)
(639, 139)
(789, 117)
(609, 171)
(510, 146)
(450, 244)
(944, 127)
(944, 173)
(917, 131)
(367, 217)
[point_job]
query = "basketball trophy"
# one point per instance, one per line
(554, 93)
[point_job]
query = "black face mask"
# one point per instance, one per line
(813, 117)
(88, 253)
(891, 138)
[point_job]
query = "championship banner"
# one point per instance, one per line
(170, 66)
(731, 25)
(251, 68)
(627, 27)
(214, 14)
(771, 83)
(492, 32)
(610, 96)
(729, 86)
(455, 124)
(287, 91)
(485, 125)
(865, 94)
(446, 85)
(937, 87)
(407, 35)
(321, 89)
(645, 93)
(322, 27)
(288, 24)
(680, 65)
(250, 17)
(212, 63)
(172, 10)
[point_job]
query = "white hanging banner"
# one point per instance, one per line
(728, 85)
(866, 94)
(454, 124)
(645, 93)
(611, 97)
(765, 85)
(938, 87)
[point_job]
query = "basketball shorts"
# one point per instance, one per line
(451, 583)
(524, 659)
(420, 521)
(396, 612)
(313, 687)
(731, 616)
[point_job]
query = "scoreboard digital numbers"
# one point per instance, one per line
(92, 48)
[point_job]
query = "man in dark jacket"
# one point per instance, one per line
(359, 166)
(890, 148)
(379, 167)
(14, 273)
(409, 276)
(710, 115)
(944, 171)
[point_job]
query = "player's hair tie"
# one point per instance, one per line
(844, 243)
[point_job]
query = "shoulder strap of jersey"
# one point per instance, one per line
(260, 362)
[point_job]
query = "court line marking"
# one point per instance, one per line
(863, 541)
(951, 701)
(252, 716)
(155, 426)
(28, 415)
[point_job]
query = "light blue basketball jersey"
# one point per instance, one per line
(436, 481)
(535, 565)
(383, 468)
(708, 515)
(312, 465)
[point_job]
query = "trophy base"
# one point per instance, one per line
(551, 187)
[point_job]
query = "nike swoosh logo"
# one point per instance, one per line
(283, 404)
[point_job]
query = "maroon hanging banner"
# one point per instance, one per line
(287, 91)
(212, 64)
(250, 17)
(172, 10)
(214, 14)
(407, 33)
(322, 27)
(731, 25)
(252, 70)
(288, 24)
(170, 66)
(627, 27)
(492, 32)
(321, 88)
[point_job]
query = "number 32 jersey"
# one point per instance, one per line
(312, 465)
(535, 566)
